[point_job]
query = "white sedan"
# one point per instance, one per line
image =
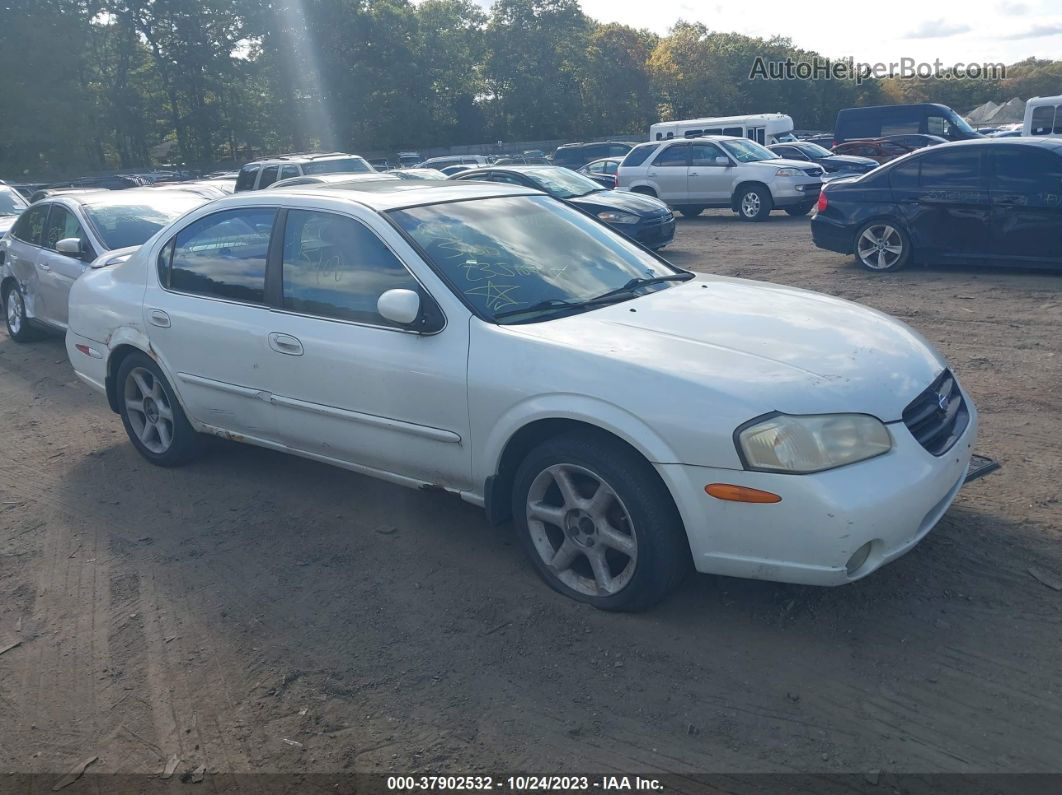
(630, 417)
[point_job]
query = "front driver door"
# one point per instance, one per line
(708, 177)
(348, 384)
(1025, 186)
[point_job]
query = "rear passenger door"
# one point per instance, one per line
(208, 322)
(23, 250)
(56, 271)
(1025, 188)
(668, 173)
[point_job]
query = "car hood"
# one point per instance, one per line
(854, 160)
(783, 162)
(765, 346)
(623, 201)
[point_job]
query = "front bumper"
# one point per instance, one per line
(790, 191)
(652, 232)
(890, 502)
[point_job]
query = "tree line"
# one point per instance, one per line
(88, 85)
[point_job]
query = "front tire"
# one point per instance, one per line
(598, 524)
(153, 418)
(18, 327)
(754, 203)
(882, 247)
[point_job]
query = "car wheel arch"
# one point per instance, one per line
(123, 343)
(645, 190)
(744, 185)
(519, 441)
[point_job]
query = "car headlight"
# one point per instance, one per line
(812, 443)
(614, 217)
(788, 172)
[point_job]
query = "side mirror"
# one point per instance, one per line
(722, 161)
(399, 306)
(71, 246)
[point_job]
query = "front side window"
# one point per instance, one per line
(1043, 120)
(346, 165)
(506, 254)
(287, 172)
(30, 226)
(336, 267)
(673, 156)
(61, 225)
(1027, 172)
(223, 255)
(705, 155)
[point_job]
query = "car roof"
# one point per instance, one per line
(704, 138)
(383, 195)
(299, 156)
(324, 179)
(119, 197)
(1025, 140)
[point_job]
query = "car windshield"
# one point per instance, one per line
(562, 182)
(529, 253)
(814, 150)
(348, 165)
(121, 224)
(748, 151)
(11, 202)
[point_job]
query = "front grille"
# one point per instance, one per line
(660, 220)
(938, 416)
(817, 171)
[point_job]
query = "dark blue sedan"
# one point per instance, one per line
(813, 153)
(643, 218)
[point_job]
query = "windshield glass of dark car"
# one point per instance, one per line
(349, 165)
(562, 182)
(11, 202)
(748, 151)
(503, 254)
(814, 150)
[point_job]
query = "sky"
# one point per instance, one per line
(956, 31)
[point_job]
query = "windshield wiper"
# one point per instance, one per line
(637, 282)
(549, 303)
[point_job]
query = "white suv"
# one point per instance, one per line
(721, 171)
(262, 173)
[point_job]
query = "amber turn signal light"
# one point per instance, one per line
(727, 491)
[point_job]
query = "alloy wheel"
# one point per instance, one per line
(149, 410)
(14, 311)
(581, 530)
(880, 247)
(750, 204)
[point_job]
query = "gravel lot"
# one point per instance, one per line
(258, 612)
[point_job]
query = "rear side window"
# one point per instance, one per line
(952, 169)
(638, 155)
(30, 226)
(336, 267)
(672, 156)
(269, 176)
(245, 179)
(223, 255)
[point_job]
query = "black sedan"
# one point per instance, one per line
(643, 218)
(813, 153)
(987, 200)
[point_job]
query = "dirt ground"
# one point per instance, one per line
(258, 612)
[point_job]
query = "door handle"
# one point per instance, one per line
(693, 174)
(1010, 199)
(285, 343)
(158, 318)
(44, 266)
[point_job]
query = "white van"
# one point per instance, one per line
(1043, 116)
(763, 128)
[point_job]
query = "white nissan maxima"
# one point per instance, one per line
(491, 341)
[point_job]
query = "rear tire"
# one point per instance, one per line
(754, 203)
(153, 417)
(882, 246)
(598, 524)
(18, 325)
(691, 212)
